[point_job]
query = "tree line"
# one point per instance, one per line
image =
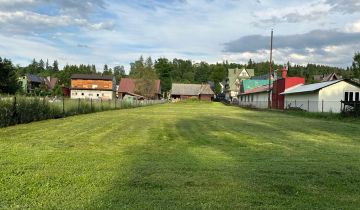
(168, 71)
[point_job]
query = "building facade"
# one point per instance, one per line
(235, 76)
(322, 97)
(92, 86)
(127, 87)
(201, 92)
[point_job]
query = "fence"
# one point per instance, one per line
(17, 110)
(309, 106)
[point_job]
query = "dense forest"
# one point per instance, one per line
(168, 71)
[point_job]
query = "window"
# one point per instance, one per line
(241, 98)
(351, 96)
(252, 98)
(103, 94)
(346, 96)
(97, 95)
(357, 96)
(82, 94)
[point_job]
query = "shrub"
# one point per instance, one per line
(21, 109)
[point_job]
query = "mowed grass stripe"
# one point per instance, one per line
(181, 156)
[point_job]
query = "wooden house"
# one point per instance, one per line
(127, 88)
(202, 92)
(92, 86)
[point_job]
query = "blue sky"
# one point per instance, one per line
(118, 32)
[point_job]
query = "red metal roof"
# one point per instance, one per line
(260, 89)
(127, 85)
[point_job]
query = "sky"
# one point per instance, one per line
(117, 32)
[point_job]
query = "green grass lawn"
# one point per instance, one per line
(181, 156)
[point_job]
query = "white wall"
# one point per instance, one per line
(327, 99)
(332, 95)
(305, 101)
(92, 94)
(259, 100)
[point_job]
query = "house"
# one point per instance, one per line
(202, 92)
(235, 76)
(50, 82)
(323, 96)
(256, 93)
(92, 86)
(256, 97)
(127, 87)
(325, 78)
(30, 82)
(282, 84)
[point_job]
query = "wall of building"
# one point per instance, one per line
(305, 101)
(91, 84)
(332, 95)
(280, 86)
(256, 100)
(206, 97)
(92, 94)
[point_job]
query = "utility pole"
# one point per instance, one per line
(270, 69)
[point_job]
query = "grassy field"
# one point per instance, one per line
(181, 156)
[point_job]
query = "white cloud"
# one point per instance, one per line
(353, 27)
(28, 21)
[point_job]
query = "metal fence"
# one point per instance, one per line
(17, 110)
(309, 106)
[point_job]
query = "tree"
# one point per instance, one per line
(201, 72)
(163, 68)
(47, 66)
(93, 69)
(144, 76)
(356, 66)
(8, 77)
(119, 72)
(106, 70)
(55, 66)
(218, 74)
(42, 64)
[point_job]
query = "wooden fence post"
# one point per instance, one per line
(308, 105)
(14, 114)
(91, 108)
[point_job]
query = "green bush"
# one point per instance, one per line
(21, 109)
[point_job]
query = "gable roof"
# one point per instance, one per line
(128, 85)
(332, 76)
(259, 89)
(34, 78)
(251, 84)
(234, 76)
(191, 89)
(92, 77)
(50, 82)
(310, 88)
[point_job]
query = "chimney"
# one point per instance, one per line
(283, 72)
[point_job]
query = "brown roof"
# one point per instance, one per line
(92, 77)
(50, 82)
(191, 89)
(128, 85)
